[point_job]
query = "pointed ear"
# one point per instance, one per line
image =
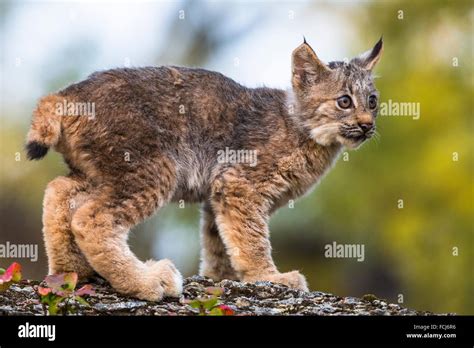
(369, 59)
(306, 66)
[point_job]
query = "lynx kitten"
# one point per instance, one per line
(162, 134)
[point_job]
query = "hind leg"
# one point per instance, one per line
(61, 198)
(101, 227)
(215, 262)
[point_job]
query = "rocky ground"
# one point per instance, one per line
(262, 298)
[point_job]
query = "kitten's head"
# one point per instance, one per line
(336, 102)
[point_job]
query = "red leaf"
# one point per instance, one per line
(13, 273)
(226, 310)
(85, 290)
(55, 281)
(61, 283)
(43, 291)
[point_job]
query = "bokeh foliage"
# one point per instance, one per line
(410, 250)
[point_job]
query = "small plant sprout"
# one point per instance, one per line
(9, 276)
(61, 291)
(209, 304)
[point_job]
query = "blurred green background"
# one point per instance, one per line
(428, 59)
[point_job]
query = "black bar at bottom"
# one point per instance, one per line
(427, 330)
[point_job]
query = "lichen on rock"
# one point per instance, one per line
(261, 298)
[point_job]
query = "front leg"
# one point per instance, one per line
(242, 219)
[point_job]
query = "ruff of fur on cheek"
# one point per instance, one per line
(325, 134)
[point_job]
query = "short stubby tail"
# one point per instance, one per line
(45, 127)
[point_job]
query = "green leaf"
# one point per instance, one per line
(214, 290)
(70, 280)
(210, 303)
(45, 299)
(52, 310)
(82, 301)
(53, 307)
(195, 303)
(49, 298)
(216, 311)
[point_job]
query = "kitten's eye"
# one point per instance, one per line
(372, 102)
(344, 102)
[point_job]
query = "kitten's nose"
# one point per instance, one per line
(365, 121)
(366, 126)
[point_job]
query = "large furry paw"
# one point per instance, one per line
(292, 279)
(166, 280)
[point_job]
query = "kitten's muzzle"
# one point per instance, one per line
(366, 126)
(358, 132)
(365, 121)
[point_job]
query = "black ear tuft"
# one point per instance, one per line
(369, 59)
(36, 150)
(376, 50)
